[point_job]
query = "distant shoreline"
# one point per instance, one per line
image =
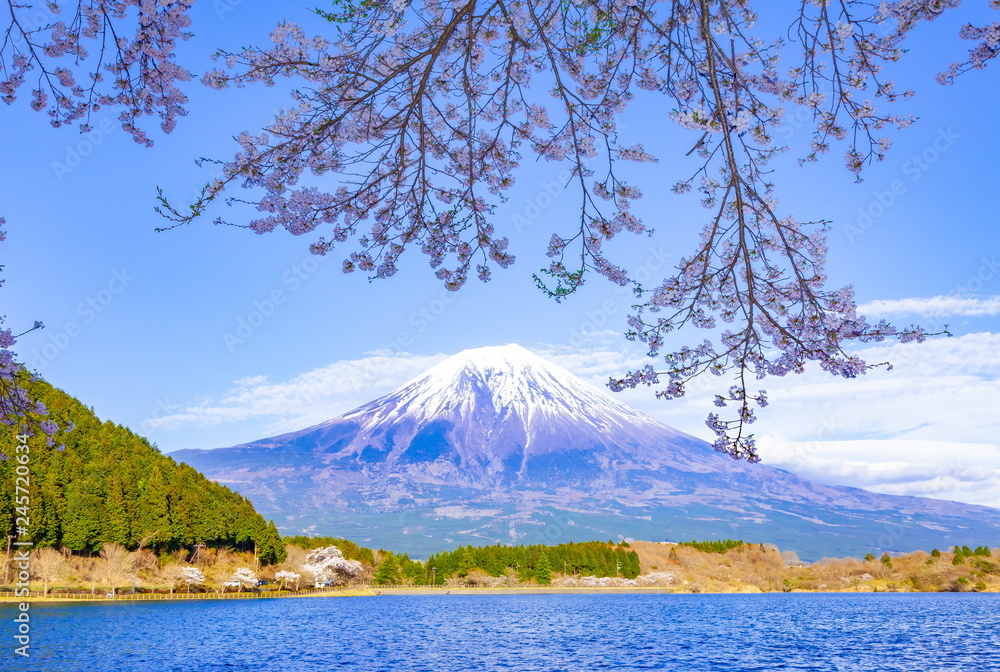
(375, 592)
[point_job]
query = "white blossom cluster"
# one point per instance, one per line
(328, 565)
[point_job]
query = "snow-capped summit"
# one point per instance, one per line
(488, 395)
(494, 416)
(497, 445)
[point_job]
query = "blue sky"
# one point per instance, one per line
(146, 327)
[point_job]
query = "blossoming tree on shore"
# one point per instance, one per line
(192, 576)
(329, 566)
(241, 578)
(287, 578)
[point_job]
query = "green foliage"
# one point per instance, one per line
(869, 558)
(270, 548)
(106, 484)
(936, 553)
(388, 570)
(350, 549)
(567, 282)
(963, 552)
(543, 570)
(720, 546)
(886, 560)
(987, 567)
(591, 558)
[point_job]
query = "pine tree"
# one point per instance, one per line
(466, 561)
(154, 511)
(543, 570)
(388, 570)
(81, 529)
(120, 519)
(270, 547)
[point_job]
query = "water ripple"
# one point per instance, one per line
(524, 633)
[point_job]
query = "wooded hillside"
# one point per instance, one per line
(102, 483)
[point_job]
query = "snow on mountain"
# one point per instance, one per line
(504, 383)
(493, 405)
(498, 445)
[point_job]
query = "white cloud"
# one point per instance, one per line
(306, 399)
(929, 427)
(968, 472)
(936, 306)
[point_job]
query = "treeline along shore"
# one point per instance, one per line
(608, 567)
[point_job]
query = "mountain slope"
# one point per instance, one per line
(498, 445)
(106, 484)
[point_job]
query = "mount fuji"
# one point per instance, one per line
(497, 445)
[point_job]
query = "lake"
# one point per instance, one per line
(551, 633)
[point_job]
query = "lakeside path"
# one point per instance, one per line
(36, 597)
(8, 597)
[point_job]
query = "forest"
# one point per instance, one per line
(101, 483)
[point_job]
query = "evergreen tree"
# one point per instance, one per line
(154, 511)
(543, 570)
(270, 548)
(466, 561)
(118, 529)
(388, 570)
(81, 530)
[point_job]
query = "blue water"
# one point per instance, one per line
(554, 633)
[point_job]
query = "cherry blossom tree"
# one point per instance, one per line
(192, 576)
(49, 566)
(409, 120)
(46, 53)
(241, 578)
(288, 578)
(117, 567)
(328, 565)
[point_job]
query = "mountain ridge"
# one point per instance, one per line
(498, 445)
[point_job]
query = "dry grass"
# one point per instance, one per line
(752, 568)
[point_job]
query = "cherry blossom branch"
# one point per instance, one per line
(401, 118)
